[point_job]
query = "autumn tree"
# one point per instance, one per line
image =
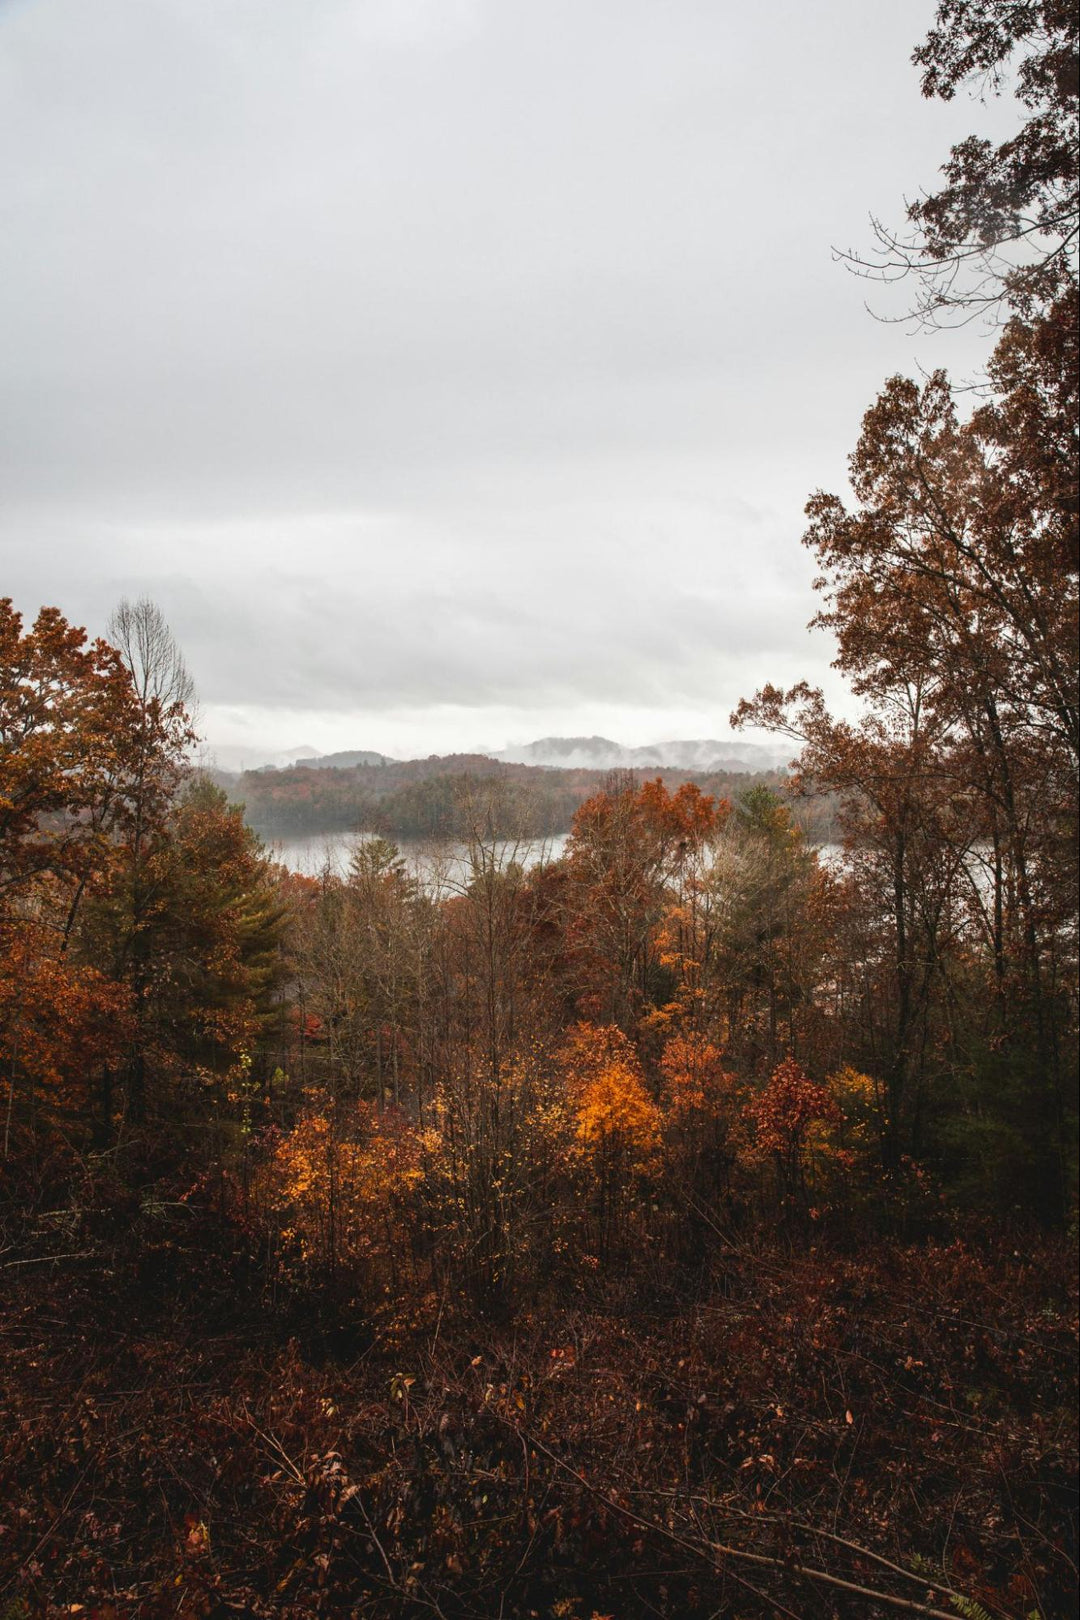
(627, 847)
(140, 920)
(67, 719)
(489, 920)
(1002, 228)
(67, 763)
(207, 961)
(486, 1027)
(337, 1191)
(951, 586)
(782, 1116)
(617, 1123)
(497, 1196)
(763, 956)
(700, 1103)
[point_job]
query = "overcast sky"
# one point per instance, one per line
(451, 372)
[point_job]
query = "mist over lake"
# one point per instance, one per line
(435, 865)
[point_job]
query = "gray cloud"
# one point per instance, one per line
(444, 352)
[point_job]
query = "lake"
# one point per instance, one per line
(436, 865)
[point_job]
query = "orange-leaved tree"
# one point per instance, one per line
(336, 1191)
(627, 849)
(67, 717)
(701, 1102)
(782, 1116)
(617, 1123)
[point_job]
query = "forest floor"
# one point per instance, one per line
(813, 1434)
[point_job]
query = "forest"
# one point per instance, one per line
(681, 1227)
(428, 798)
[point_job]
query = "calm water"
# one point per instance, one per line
(437, 866)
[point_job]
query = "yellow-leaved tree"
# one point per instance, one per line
(617, 1125)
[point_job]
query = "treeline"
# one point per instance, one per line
(421, 799)
(596, 1175)
(140, 921)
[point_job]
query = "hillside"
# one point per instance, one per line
(558, 753)
(426, 798)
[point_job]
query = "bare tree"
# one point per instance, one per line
(152, 655)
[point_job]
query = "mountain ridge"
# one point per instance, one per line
(572, 753)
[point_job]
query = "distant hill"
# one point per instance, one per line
(423, 798)
(346, 759)
(552, 753)
(601, 754)
(234, 757)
